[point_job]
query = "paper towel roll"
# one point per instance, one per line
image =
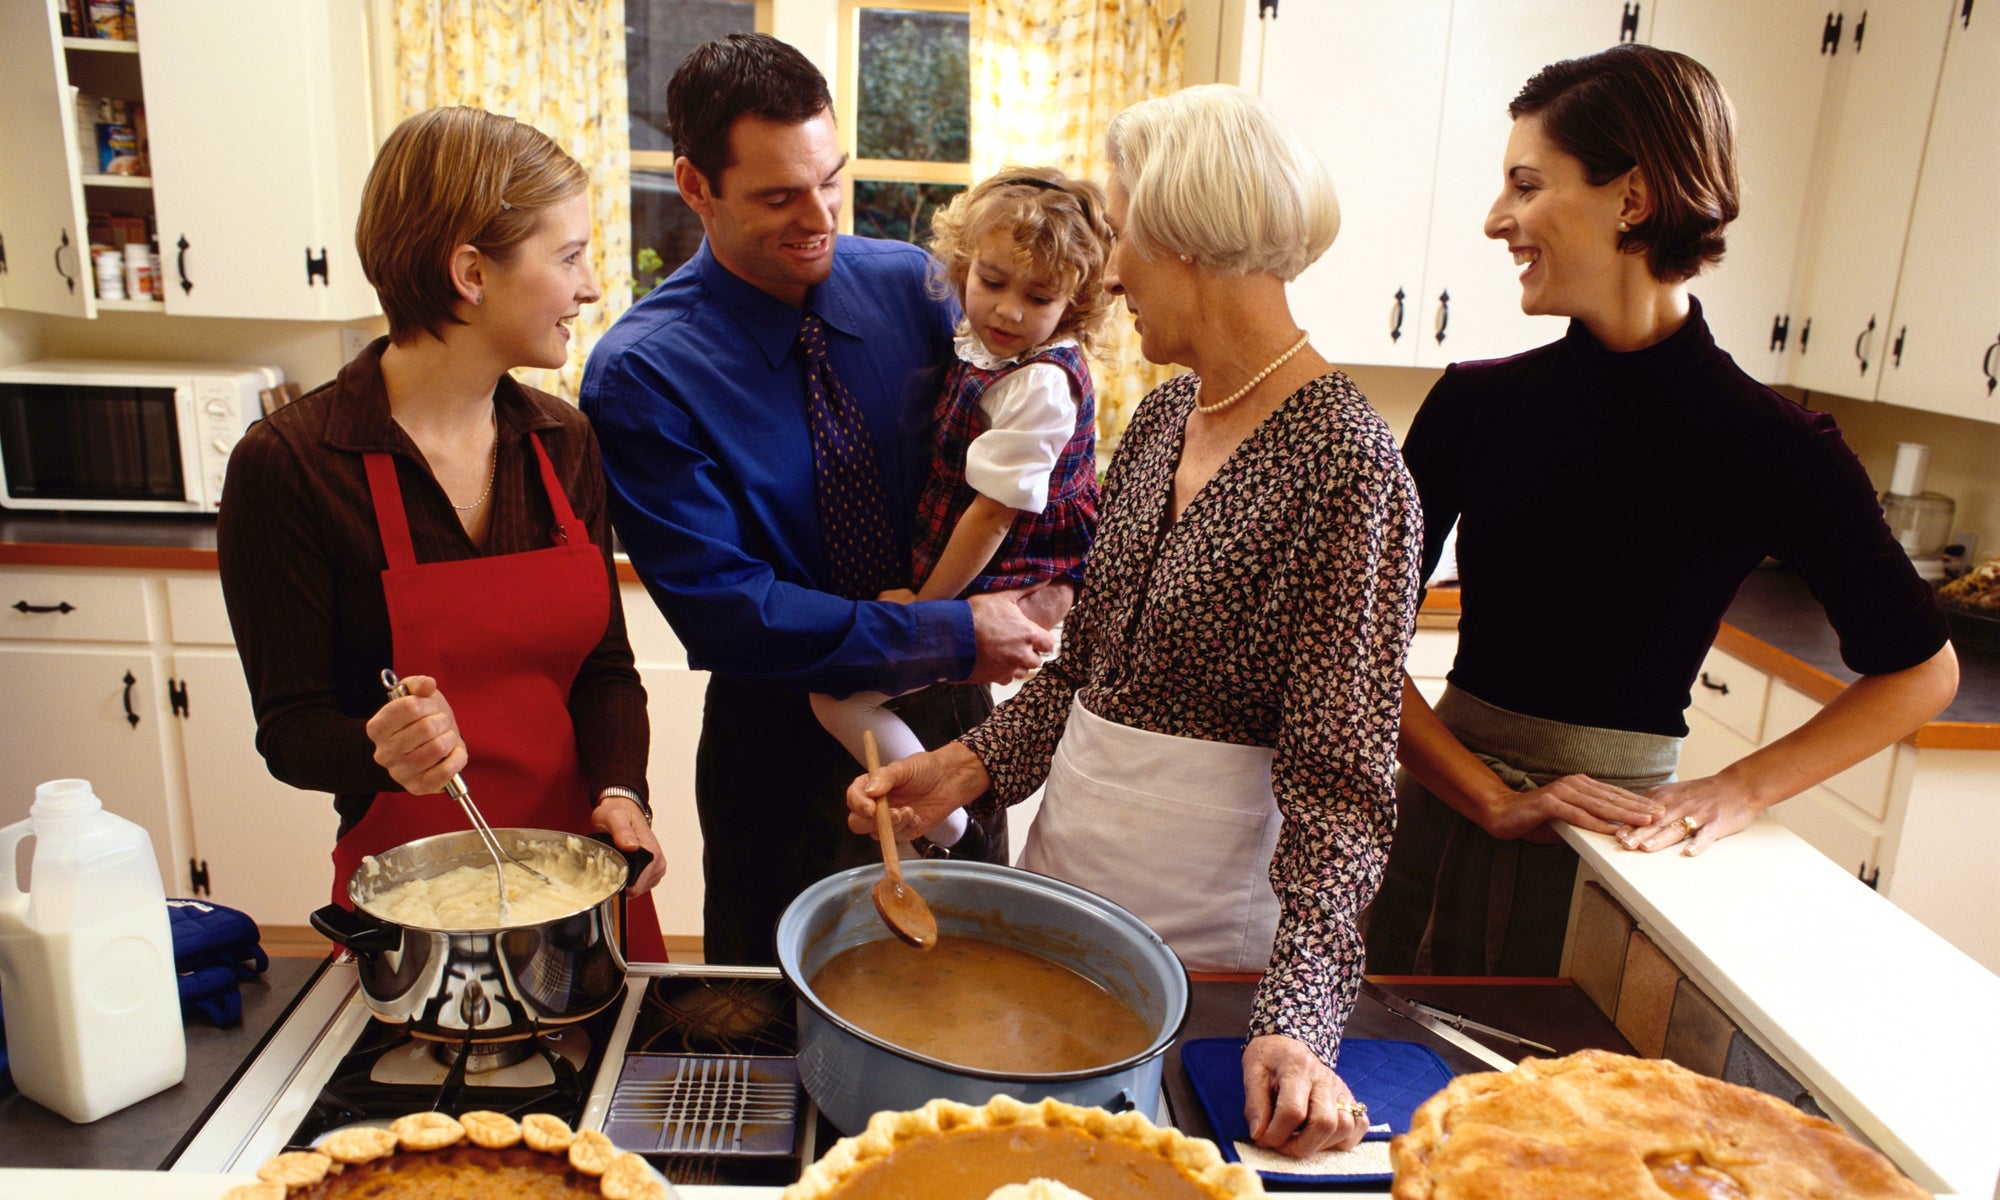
(1913, 460)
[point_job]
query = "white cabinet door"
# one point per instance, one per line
(673, 704)
(1470, 304)
(252, 108)
(1878, 106)
(1364, 85)
(1945, 348)
(67, 712)
(267, 846)
(41, 200)
(1767, 57)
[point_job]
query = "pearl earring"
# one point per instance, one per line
(1187, 258)
(1624, 228)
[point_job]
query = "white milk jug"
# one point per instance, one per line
(86, 959)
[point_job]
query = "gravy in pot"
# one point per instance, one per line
(980, 1005)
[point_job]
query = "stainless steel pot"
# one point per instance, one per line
(852, 1074)
(485, 985)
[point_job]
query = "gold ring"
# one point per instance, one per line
(1354, 1108)
(1690, 824)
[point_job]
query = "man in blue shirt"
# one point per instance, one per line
(698, 395)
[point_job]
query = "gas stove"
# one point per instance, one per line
(693, 1067)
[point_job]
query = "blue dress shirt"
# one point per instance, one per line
(698, 398)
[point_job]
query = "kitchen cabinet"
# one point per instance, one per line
(674, 696)
(257, 163)
(1944, 353)
(1911, 822)
(1885, 60)
(1415, 141)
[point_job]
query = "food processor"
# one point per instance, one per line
(1919, 520)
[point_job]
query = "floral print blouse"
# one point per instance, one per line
(1275, 612)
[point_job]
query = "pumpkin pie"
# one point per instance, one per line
(947, 1150)
(430, 1156)
(1597, 1124)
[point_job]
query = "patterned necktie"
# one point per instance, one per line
(861, 549)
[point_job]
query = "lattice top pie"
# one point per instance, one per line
(430, 1156)
(1597, 1124)
(947, 1150)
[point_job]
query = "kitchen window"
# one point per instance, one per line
(904, 103)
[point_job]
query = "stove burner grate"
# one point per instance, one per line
(687, 1104)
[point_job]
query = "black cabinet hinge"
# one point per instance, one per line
(198, 877)
(1896, 351)
(315, 267)
(1781, 331)
(1805, 335)
(1829, 38)
(1860, 26)
(1871, 878)
(177, 695)
(3, 254)
(1628, 24)
(1965, 16)
(1269, 9)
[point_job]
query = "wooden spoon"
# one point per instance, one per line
(903, 911)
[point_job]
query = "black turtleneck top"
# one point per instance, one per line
(1609, 506)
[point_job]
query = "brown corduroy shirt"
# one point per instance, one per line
(302, 564)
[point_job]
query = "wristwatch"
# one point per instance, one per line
(970, 845)
(645, 808)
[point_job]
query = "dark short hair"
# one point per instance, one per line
(742, 74)
(1663, 112)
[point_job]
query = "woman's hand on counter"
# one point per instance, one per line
(620, 817)
(1575, 799)
(1699, 813)
(416, 738)
(921, 790)
(1294, 1103)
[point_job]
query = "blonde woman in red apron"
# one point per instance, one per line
(426, 512)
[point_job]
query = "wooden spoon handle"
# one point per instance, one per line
(885, 829)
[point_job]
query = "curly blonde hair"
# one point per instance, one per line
(1058, 228)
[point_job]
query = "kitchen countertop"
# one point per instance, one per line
(147, 1135)
(1774, 625)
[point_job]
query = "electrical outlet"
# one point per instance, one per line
(353, 341)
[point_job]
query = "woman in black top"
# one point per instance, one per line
(1637, 446)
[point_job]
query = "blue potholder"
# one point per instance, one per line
(1391, 1078)
(215, 949)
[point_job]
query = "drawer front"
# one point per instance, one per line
(1865, 785)
(1834, 828)
(196, 614)
(1732, 691)
(72, 606)
(1431, 653)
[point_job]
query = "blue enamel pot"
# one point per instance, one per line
(852, 1073)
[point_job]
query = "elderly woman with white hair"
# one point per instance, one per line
(1218, 735)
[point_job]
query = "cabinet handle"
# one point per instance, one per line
(61, 246)
(1965, 15)
(1871, 878)
(1829, 38)
(22, 606)
(1860, 24)
(1896, 351)
(1713, 686)
(181, 265)
(1628, 24)
(3, 254)
(1444, 314)
(131, 717)
(1396, 317)
(1986, 365)
(1861, 343)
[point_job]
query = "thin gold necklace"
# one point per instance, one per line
(492, 469)
(1259, 377)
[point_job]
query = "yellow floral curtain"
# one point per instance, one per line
(1047, 77)
(558, 65)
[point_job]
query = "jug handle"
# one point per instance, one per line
(12, 899)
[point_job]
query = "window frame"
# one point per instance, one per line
(847, 108)
(663, 160)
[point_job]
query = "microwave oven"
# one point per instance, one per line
(130, 437)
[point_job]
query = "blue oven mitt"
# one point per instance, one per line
(215, 949)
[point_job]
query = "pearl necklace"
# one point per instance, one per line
(1259, 377)
(492, 469)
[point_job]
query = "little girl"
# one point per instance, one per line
(1012, 496)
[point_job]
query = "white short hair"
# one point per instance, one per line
(1213, 173)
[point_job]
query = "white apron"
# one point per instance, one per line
(1177, 830)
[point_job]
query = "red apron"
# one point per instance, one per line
(504, 636)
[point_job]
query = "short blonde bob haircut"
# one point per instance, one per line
(1211, 172)
(445, 178)
(1057, 228)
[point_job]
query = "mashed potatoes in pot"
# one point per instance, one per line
(468, 897)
